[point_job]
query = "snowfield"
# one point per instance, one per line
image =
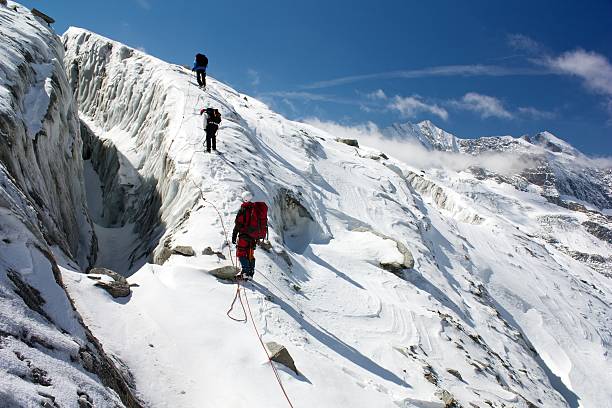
(389, 284)
(482, 309)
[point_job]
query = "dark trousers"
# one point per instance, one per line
(248, 265)
(201, 76)
(211, 137)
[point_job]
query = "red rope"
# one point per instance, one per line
(236, 297)
(280, 383)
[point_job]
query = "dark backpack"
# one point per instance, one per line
(255, 222)
(201, 60)
(214, 115)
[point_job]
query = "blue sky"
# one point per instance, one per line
(474, 68)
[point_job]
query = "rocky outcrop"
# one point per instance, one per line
(349, 142)
(117, 286)
(297, 225)
(396, 268)
(183, 250)
(599, 231)
(209, 252)
(165, 253)
(280, 354)
(227, 273)
(447, 398)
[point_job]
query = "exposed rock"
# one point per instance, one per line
(599, 231)
(350, 142)
(430, 375)
(454, 373)
(163, 255)
(281, 355)
(30, 295)
(183, 250)
(297, 224)
(286, 257)
(209, 252)
(84, 400)
(166, 252)
(48, 400)
(225, 272)
(43, 16)
(119, 287)
(395, 268)
(39, 376)
(447, 398)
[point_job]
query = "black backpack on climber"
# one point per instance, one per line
(201, 60)
(214, 116)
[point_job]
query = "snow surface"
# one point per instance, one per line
(488, 296)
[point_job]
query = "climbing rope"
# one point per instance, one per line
(237, 296)
(276, 374)
(240, 290)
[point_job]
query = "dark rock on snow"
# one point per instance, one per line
(225, 272)
(280, 355)
(350, 142)
(118, 288)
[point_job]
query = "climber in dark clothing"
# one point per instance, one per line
(211, 125)
(199, 66)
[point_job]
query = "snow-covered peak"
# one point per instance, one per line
(553, 144)
(438, 138)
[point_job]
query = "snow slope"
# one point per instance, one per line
(486, 311)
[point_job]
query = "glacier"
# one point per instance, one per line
(390, 284)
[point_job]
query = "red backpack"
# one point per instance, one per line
(255, 221)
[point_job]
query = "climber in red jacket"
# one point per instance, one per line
(251, 226)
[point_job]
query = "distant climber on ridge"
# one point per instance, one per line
(212, 119)
(251, 227)
(199, 66)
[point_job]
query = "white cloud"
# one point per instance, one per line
(414, 154)
(254, 75)
(439, 71)
(535, 113)
(593, 68)
(310, 96)
(486, 106)
(379, 94)
(524, 43)
(411, 106)
(141, 48)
